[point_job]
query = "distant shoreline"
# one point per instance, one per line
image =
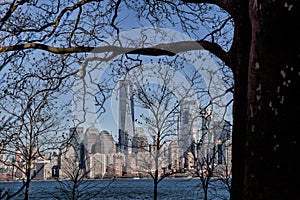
(116, 178)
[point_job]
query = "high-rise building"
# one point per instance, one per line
(140, 141)
(208, 135)
(2, 154)
(91, 133)
(215, 135)
(126, 117)
(174, 156)
(103, 144)
(223, 138)
(189, 124)
(78, 142)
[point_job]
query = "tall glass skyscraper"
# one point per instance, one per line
(126, 117)
(189, 124)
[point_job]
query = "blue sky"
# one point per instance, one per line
(127, 21)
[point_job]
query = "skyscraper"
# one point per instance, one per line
(189, 124)
(79, 146)
(189, 127)
(126, 116)
(2, 154)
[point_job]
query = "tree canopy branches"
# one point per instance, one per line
(73, 27)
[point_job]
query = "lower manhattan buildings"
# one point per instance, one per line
(198, 144)
(206, 145)
(96, 154)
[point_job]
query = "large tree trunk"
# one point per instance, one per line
(273, 101)
(239, 57)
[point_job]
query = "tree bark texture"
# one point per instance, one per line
(273, 101)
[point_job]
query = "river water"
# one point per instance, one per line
(125, 189)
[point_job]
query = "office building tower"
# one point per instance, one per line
(189, 124)
(126, 117)
(103, 144)
(224, 144)
(2, 153)
(91, 133)
(79, 144)
(140, 141)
